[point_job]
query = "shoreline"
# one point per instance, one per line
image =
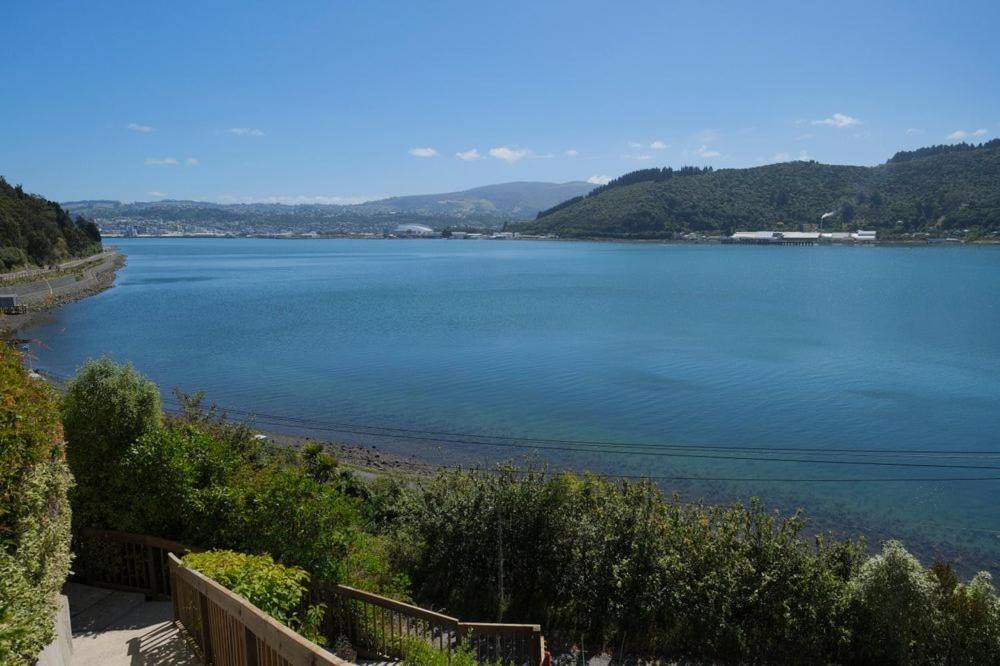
(54, 289)
(581, 239)
(372, 461)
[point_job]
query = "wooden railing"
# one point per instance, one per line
(378, 628)
(230, 631)
(125, 561)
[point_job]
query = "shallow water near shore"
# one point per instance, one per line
(836, 349)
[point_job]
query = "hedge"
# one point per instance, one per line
(34, 511)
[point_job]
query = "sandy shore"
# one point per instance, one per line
(56, 288)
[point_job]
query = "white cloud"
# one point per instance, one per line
(245, 131)
(787, 157)
(804, 137)
(838, 120)
(301, 199)
(658, 145)
(161, 161)
(958, 135)
(545, 156)
(423, 152)
(640, 157)
(708, 136)
(913, 130)
(192, 161)
(781, 157)
(599, 180)
(468, 155)
(705, 152)
(572, 152)
(634, 144)
(136, 127)
(508, 154)
(158, 195)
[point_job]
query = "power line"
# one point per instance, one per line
(623, 448)
(339, 427)
(623, 451)
(606, 445)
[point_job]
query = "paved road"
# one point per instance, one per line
(39, 290)
(121, 628)
(30, 272)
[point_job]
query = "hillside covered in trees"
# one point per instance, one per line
(36, 231)
(937, 190)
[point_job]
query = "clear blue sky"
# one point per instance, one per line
(331, 101)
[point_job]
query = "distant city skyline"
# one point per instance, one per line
(331, 102)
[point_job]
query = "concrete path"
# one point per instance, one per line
(112, 628)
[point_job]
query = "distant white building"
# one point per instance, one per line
(414, 231)
(775, 237)
(801, 237)
(459, 234)
(504, 235)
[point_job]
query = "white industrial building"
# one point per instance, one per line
(414, 231)
(801, 237)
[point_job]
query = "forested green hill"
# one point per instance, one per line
(36, 231)
(935, 190)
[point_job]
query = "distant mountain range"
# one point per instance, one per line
(490, 206)
(940, 190)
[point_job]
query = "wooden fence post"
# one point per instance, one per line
(537, 648)
(174, 592)
(206, 634)
(152, 588)
(249, 646)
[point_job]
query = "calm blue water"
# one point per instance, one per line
(803, 347)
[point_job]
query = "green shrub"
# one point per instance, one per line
(107, 408)
(618, 564)
(417, 652)
(893, 602)
(282, 511)
(370, 565)
(177, 467)
(970, 633)
(277, 590)
(34, 511)
(11, 257)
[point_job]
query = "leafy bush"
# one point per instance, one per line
(11, 257)
(224, 489)
(370, 564)
(277, 590)
(107, 408)
(893, 601)
(970, 630)
(421, 653)
(34, 511)
(179, 467)
(284, 512)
